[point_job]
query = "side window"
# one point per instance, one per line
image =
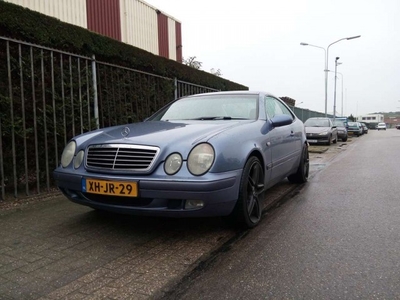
(273, 107)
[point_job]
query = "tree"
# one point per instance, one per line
(192, 62)
(216, 72)
(195, 64)
(352, 118)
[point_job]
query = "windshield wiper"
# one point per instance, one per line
(213, 118)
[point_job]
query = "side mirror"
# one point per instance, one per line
(281, 120)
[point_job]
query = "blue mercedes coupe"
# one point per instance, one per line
(204, 155)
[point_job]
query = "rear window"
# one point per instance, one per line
(317, 123)
(339, 123)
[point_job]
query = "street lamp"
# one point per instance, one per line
(326, 64)
(334, 95)
(341, 74)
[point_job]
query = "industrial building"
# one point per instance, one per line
(371, 120)
(134, 22)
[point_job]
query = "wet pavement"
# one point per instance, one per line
(55, 249)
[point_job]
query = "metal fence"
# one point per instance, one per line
(304, 114)
(48, 96)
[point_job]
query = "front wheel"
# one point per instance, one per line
(301, 175)
(329, 140)
(247, 211)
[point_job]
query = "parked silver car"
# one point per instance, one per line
(321, 131)
(342, 129)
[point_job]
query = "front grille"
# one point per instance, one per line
(121, 157)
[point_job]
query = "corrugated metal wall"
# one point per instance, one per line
(178, 42)
(139, 25)
(162, 21)
(131, 21)
(71, 11)
(171, 39)
(104, 17)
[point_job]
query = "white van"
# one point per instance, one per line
(381, 126)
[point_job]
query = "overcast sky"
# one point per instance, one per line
(257, 44)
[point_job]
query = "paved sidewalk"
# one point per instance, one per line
(56, 249)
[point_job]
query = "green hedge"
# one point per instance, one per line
(23, 24)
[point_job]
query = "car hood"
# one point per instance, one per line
(317, 129)
(158, 133)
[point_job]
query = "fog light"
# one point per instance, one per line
(193, 204)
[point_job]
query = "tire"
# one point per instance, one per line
(329, 140)
(344, 139)
(335, 141)
(248, 209)
(301, 176)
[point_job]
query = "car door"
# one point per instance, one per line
(284, 140)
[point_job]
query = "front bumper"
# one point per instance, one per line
(158, 197)
(342, 134)
(317, 139)
(354, 132)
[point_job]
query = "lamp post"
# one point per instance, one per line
(326, 64)
(341, 111)
(334, 95)
(341, 74)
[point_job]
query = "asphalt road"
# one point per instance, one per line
(51, 248)
(338, 238)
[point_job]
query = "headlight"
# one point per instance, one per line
(200, 159)
(68, 154)
(79, 159)
(324, 133)
(173, 163)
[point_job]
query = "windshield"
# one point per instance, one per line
(213, 107)
(339, 123)
(317, 123)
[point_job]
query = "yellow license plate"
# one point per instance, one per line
(113, 188)
(350, 133)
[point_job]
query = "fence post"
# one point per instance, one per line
(3, 188)
(175, 88)
(95, 99)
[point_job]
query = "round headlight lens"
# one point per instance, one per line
(79, 159)
(200, 159)
(173, 163)
(68, 154)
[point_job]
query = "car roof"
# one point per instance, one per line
(241, 92)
